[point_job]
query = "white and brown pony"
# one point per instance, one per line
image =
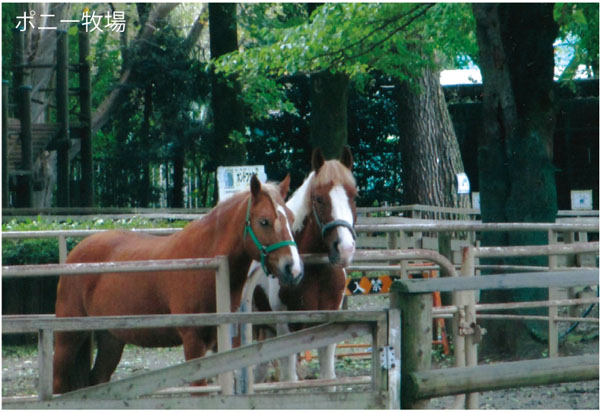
(325, 213)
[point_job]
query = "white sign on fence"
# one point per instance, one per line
(234, 179)
(464, 187)
(581, 200)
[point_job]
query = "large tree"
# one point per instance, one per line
(516, 174)
(431, 156)
(352, 40)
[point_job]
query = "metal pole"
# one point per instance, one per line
(62, 117)
(85, 118)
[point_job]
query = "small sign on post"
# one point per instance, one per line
(581, 199)
(234, 179)
(463, 185)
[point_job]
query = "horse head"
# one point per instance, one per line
(268, 235)
(332, 197)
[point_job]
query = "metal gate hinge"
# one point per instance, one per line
(387, 357)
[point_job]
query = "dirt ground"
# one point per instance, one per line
(19, 371)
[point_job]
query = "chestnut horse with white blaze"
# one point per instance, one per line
(253, 225)
(325, 213)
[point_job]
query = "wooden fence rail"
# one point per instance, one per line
(392, 240)
(414, 211)
(457, 380)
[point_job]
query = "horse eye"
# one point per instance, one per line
(264, 222)
(319, 200)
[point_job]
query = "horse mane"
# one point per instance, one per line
(270, 188)
(332, 172)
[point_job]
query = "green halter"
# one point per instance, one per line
(264, 249)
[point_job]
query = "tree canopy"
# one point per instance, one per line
(354, 38)
(155, 78)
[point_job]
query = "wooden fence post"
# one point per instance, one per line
(45, 348)
(378, 346)
(62, 118)
(468, 270)
(62, 249)
(224, 330)
(416, 337)
(394, 341)
(552, 295)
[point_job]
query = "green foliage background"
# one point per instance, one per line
(281, 44)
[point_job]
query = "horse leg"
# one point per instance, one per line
(193, 347)
(110, 350)
(72, 361)
(288, 364)
(327, 363)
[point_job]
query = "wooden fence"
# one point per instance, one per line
(413, 298)
(125, 392)
(447, 237)
(420, 383)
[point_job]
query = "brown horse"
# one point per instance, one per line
(253, 225)
(325, 213)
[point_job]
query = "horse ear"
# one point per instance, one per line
(317, 159)
(255, 186)
(347, 160)
(284, 186)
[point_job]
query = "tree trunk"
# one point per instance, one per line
(430, 154)
(228, 110)
(329, 108)
(145, 132)
(329, 113)
(515, 152)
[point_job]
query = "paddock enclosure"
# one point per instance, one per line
(400, 334)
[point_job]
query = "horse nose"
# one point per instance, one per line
(345, 249)
(293, 272)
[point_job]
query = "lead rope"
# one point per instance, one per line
(263, 249)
